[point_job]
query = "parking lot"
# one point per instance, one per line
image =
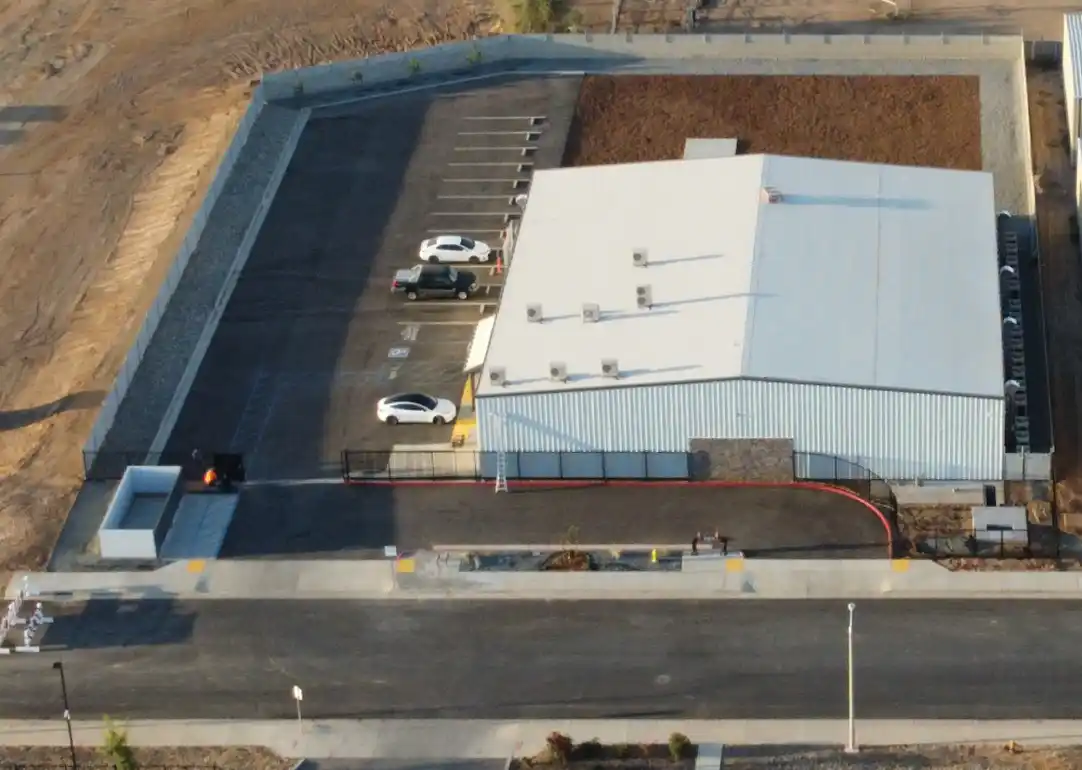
(341, 522)
(312, 336)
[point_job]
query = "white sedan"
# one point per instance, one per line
(415, 408)
(454, 248)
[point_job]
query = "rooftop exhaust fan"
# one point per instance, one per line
(644, 297)
(640, 258)
(533, 313)
(497, 375)
(591, 313)
(558, 371)
(771, 195)
(610, 367)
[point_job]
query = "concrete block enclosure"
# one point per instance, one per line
(275, 333)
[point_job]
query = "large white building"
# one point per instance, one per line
(852, 308)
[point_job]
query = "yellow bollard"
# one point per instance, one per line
(653, 556)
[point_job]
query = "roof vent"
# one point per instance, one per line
(640, 258)
(591, 313)
(771, 195)
(533, 313)
(497, 375)
(610, 367)
(558, 371)
(644, 297)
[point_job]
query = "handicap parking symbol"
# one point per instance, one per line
(398, 353)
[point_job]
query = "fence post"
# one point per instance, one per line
(560, 465)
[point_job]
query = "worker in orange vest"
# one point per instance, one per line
(210, 478)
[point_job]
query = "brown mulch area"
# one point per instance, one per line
(920, 121)
(161, 758)
(942, 757)
(591, 755)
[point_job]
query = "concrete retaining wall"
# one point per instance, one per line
(154, 315)
(169, 420)
(612, 51)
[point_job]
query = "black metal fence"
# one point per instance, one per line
(110, 466)
(828, 469)
(1039, 542)
(448, 465)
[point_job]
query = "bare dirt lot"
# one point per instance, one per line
(926, 121)
(116, 115)
(1060, 279)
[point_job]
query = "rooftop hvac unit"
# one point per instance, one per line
(533, 313)
(558, 371)
(610, 367)
(591, 313)
(771, 195)
(640, 258)
(497, 375)
(644, 297)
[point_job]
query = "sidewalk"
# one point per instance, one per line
(437, 576)
(456, 739)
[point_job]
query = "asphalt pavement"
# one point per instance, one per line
(573, 660)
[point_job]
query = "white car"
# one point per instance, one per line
(454, 248)
(415, 408)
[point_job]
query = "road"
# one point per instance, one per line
(507, 659)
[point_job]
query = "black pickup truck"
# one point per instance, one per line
(434, 282)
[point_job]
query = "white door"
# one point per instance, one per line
(411, 413)
(451, 252)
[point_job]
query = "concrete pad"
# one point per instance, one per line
(199, 527)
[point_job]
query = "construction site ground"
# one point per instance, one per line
(114, 116)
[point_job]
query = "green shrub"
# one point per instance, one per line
(623, 750)
(115, 747)
(679, 746)
(559, 748)
(591, 749)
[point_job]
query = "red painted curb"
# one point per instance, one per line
(817, 486)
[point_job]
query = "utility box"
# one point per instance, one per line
(141, 513)
(1005, 525)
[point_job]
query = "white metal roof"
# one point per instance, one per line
(1072, 57)
(864, 275)
(482, 335)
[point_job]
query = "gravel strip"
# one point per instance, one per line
(141, 412)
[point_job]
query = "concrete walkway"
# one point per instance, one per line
(430, 575)
(451, 739)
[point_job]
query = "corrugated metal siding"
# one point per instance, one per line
(896, 435)
(1072, 71)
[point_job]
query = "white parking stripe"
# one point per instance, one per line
(464, 180)
(493, 149)
(504, 117)
(469, 214)
(524, 132)
(522, 166)
(461, 230)
(474, 197)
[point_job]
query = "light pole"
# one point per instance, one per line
(851, 745)
(58, 666)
